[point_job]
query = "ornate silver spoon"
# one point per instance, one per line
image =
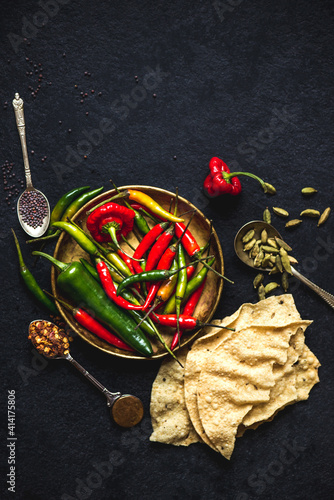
(33, 209)
(125, 409)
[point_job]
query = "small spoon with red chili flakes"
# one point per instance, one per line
(53, 343)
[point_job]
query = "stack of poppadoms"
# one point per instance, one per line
(233, 381)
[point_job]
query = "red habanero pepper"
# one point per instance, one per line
(222, 181)
(146, 242)
(109, 287)
(109, 221)
(188, 311)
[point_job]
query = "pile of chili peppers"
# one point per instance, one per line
(124, 298)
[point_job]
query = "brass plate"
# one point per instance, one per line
(67, 250)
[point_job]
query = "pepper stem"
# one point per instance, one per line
(117, 196)
(59, 265)
(267, 188)
(111, 229)
(65, 304)
(45, 238)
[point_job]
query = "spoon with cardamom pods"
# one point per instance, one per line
(260, 246)
(53, 343)
(33, 208)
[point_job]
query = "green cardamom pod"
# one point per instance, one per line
(285, 260)
(267, 216)
(309, 190)
(278, 263)
(282, 243)
(261, 292)
(324, 216)
(258, 280)
(264, 236)
(249, 245)
(281, 212)
(248, 236)
(285, 281)
(269, 249)
(309, 212)
(293, 223)
(270, 287)
(272, 242)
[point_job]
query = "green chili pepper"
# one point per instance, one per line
(192, 285)
(64, 202)
(80, 286)
(155, 275)
(80, 202)
(79, 236)
(32, 284)
(181, 284)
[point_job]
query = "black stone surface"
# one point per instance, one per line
(250, 82)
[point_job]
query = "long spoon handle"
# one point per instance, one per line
(21, 127)
(329, 298)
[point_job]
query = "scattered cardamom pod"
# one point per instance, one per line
(261, 292)
(267, 216)
(309, 190)
(309, 212)
(324, 216)
(285, 260)
(264, 236)
(281, 212)
(274, 270)
(293, 223)
(258, 280)
(285, 281)
(270, 287)
(248, 236)
(282, 243)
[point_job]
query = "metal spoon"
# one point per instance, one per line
(258, 227)
(125, 409)
(32, 231)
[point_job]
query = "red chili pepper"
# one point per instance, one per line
(127, 259)
(222, 181)
(93, 326)
(109, 288)
(186, 322)
(164, 263)
(158, 249)
(146, 242)
(188, 311)
(188, 240)
(109, 221)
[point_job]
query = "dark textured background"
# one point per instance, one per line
(250, 82)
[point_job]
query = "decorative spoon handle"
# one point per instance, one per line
(109, 395)
(21, 127)
(329, 298)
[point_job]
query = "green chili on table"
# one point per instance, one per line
(32, 284)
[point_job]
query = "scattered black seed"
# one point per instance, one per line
(92, 91)
(60, 122)
(69, 130)
(100, 93)
(32, 152)
(87, 113)
(154, 95)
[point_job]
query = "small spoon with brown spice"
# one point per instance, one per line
(53, 343)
